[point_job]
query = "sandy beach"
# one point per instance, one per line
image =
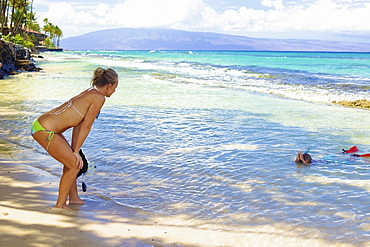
(28, 218)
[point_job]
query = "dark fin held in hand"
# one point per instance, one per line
(84, 187)
(85, 166)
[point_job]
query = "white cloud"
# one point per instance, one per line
(341, 16)
(323, 16)
(327, 15)
(64, 13)
(130, 13)
(159, 13)
(276, 4)
(101, 10)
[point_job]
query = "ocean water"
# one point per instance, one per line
(211, 137)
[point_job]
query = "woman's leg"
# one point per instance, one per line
(73, 193)
(60, 150)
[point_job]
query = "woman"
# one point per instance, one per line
(78, 113)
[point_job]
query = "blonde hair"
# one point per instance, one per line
(104, 77)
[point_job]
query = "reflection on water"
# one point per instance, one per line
(218, 165)
(223, 162)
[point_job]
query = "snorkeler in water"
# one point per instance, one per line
(304, 158)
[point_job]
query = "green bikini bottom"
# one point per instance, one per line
(36, 127)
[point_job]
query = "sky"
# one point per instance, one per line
(337, 20)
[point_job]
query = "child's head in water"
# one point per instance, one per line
(304, 158)
(307, 158)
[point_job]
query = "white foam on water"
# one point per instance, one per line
(208, 75)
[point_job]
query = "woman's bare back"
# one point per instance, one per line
(72, 112)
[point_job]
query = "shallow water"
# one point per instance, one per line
(212, 137)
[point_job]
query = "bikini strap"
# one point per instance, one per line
(50, 137)
(64, 108)
(78, 111)
(61, 110)
(94, 87)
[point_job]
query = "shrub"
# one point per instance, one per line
(18, 39)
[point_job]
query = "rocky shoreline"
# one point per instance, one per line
(362, 103)
(14, 59)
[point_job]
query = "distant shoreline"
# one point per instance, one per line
(194, 50)
(171, 39)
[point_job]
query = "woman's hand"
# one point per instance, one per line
(79, 162)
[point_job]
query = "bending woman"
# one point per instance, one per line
(78, 113)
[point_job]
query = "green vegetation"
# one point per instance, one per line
(18, 25)
(18, 39)
(54, 34)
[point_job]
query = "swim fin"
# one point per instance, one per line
(362, 155)
(85, 166)
(83, 171)
(353, 149)
(84, 187)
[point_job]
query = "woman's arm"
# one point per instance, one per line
(75, 133)
(81, 131)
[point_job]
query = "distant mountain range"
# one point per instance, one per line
(168, 39)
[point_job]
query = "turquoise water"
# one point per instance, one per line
(212, 136)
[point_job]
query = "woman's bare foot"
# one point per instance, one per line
(76, 201)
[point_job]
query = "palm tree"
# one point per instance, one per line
(48, 29)
(59, 33)
(17, 17)
(46, 21)
(20, 10)
(4, 14)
